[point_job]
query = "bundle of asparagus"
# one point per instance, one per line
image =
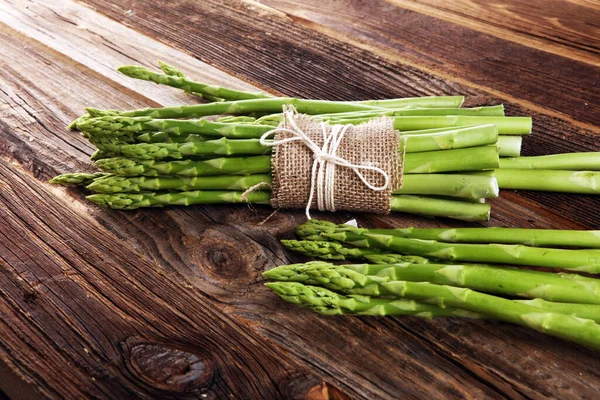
(405, 279)
(193, 155)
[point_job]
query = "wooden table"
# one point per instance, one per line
(170, 303)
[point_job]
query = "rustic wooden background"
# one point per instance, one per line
(170, 303)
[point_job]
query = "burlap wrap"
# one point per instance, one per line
(373, 143)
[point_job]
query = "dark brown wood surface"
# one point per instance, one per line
(170, 303)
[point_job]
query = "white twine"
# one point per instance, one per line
(325, 161)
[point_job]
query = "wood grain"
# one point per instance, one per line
(565, 28)
(492, 64)
(170, 303)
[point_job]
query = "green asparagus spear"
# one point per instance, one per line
(181, 82)
(327, 250)
(587, 311)
(215, 166)
(509, 146)
(437, 207)
(582, 331)
(135, 184)
(452, 138)
(336, 251)
(463, 186)
(426, 101)
(584, 182)
(157, 151)
(131, 201)
(589, 161)
(77, 178)
(529, 237)
(491, 111)
(469, 159)
(575, 260)
(505, 125)
(326, 302)
(117, 125)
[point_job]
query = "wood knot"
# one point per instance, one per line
(167, 367)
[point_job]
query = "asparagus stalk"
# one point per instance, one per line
(589, 161)
(77, 179)
(436, 207)
(587, 311)
(326, 302)
(124, 184)
(575, 260)
(178, 80)
(486, 278)
(157, 151)
(582, 331)
(583, 182)
(117, 125)
(529, 237)
(509, 146)
(131, 201)
(336, 251)
(491, 111)
(468, 159)
(452, 138)
(244, 107)
(587, 260)
(389, 258)
(463, 186)
(505, 125)
(215, 166)
(426, 101)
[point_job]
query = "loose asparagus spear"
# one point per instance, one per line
(181, 82)
(576, 260)
(483, 278)
(327, 250)
(337, 251)
(131, 201)
(582, 331)
(589, 161)
(326, 302)
(583, 182)
(529, 237)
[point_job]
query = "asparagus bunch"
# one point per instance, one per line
(568, 321)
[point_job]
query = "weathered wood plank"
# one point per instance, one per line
(83, 314)
(209, 259)
(79, 33)
(492, 64)
(565, 28)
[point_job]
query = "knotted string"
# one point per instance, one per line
(325, 161)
